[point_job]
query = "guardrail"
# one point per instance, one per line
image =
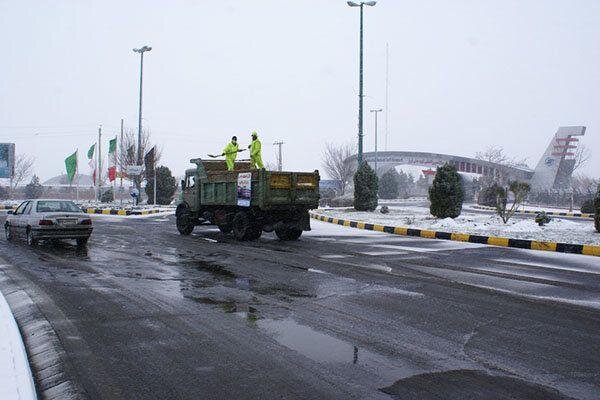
(590, 250)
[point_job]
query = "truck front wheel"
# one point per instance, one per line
(244, 227)
(288, 233)
(184, 223)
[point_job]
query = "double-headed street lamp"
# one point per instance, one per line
(141, 51)
(360, 80)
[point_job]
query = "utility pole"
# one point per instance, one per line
(154, 166)
(120, 161)
(376, 111)
(387, 97)
(98, 195)
(279, 157)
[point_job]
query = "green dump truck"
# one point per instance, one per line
(247, 201)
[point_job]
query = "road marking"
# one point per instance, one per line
(383, 253)
(332, 256)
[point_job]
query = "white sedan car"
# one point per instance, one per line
(48, 219)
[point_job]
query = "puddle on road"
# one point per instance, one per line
(324, 348)
(468, 384)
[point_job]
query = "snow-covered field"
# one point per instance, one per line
(558, 230)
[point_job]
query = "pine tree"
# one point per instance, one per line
(34, 189)
(389, 185)
(365, 188)
(166, 186)
(446, 193)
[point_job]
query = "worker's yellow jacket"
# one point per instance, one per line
(230, 151)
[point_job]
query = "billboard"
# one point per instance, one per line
(7, 160)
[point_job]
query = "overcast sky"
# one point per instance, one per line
(464, 75)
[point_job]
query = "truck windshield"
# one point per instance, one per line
(57, 206)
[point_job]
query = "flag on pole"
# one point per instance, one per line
(149, 160)
(112, 159)
(71, 166)
(92, 161)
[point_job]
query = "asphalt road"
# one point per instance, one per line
(340, 314)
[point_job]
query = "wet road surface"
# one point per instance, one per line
(339, 314)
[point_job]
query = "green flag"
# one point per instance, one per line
(112, 146)
(71, 164)
(91, 151)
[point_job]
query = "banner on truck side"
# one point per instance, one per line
(244, 189)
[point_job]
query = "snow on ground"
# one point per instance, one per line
(16, 381)
(558, 230)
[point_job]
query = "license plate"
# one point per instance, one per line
(67, 221)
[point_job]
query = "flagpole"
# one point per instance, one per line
(154, 165)
(99, 162)
(77, 172)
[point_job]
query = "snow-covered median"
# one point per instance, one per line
(557, 230)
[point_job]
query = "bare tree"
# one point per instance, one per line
(496, 154)
(127, 153)
(581, 156)
(334, 163)
(584, 184)
(23, 170)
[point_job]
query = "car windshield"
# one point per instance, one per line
(57, 206)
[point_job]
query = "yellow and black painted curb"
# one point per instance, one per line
(5, 207)
(112, 211)
(589, 250)
(561, 214)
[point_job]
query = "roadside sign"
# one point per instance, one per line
(244, 189)
(7, 160)
(133, 169)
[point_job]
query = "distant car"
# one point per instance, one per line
(48, 219)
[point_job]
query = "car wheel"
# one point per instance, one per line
(31, 241)
(8, 232)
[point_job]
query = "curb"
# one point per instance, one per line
(589, 250)
(561, 214)
(112, 211)
(21, 386)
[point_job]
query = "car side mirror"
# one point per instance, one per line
(10, 212)
(182, 184)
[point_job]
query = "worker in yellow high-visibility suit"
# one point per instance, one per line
(255, 152)
(230, 152)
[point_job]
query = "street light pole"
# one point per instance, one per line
(279, 157)
(139, 150)
(376, 111)
(360, 78)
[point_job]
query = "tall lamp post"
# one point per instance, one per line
(376, 111)
(360, 79)
(139, 152)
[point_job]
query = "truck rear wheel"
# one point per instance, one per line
(244, 227)
(288, 233)
(184, 223)
(225, 228)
